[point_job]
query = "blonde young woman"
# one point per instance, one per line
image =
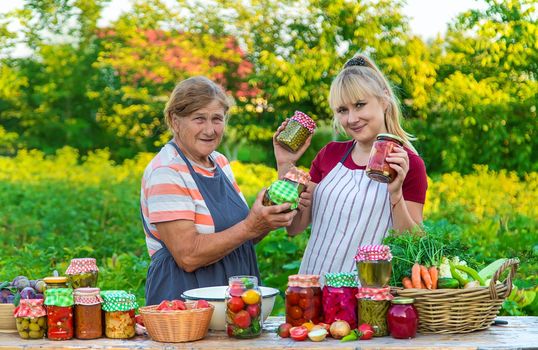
(348, 209)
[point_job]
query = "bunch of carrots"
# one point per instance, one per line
(422, 277)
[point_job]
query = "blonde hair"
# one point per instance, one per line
(360, 77)
(191, 95)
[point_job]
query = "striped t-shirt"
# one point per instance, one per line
(169, 193)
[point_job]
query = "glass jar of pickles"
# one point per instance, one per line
(31, 319)
(82, 273)
(378, 168)
(303, 299)
(243, 307)
(296, 132)
(59, 303)
(373, 305)
(339, 298)
(281, 192)
(402, 318)
(88, 320)
(374, 265)
(119, 307)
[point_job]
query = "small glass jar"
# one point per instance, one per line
(82, 273)
(88, 320)
(54, 282)
(296, 132)
(303, 299)
(339, 298)
(402, 318)
(59, 303)
(119, 307)
(243, 307)
(281, 192)
(378, 168)
(374, 265)
(31, 319)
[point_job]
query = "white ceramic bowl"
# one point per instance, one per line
(215, 295)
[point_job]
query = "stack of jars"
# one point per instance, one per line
(303, 300)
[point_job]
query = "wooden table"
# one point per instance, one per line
(520, 333)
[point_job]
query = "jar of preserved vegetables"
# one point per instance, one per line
(296, 132)
(303, 299)
(243, 307)
(281, 192)
(374, 265)
(373, 305)
(119, 307)
(378, 168)
(59, 303)
(31, 318)
(82, 273)
(339, 298)
(402, 318)
(88, 320)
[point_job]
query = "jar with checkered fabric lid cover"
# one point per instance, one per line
(31, 319)
(373, 305)
(119, 307)
(82, 273)
(339, 298)
(281, 192)
(297, 178)
(303, 299)
(296, 132)
(88, 320)
(374, 265)
(59, 304)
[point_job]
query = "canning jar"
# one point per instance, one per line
(88, 320)
(374, 265)
(55, 282)
(281, 192)
(82, 273)
(296, 132)
(373, 305)
(59, 303)
(298, 178)
(243, 307)
(378, 168)
(31, 319)
(303, 299)
(402, 318)
(339, 298)
(119, 307)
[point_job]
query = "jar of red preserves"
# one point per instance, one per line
(59, 303)
(378, 168)
(402, 318)
(339, 298)
(303, 299)
(88, 320)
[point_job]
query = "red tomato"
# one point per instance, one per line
(254, 310)
(306, 303)
(299, 333)
(366, 331)
(201, 304)
(292, 299)
(165, 305)
(309, 313)
(283, 330)
(242, 319)
(178, 305)
(326, 326)
(295, 312)
(230, 330)
(139, 320)
(235, 304)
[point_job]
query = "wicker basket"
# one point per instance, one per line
(179, 325)
(7, 321)
(453, 311)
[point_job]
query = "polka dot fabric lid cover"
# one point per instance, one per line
(82, 265)
(118, 300)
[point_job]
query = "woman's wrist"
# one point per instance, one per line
(395, 198)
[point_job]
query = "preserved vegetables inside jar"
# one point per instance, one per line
(31, 327)
(378, 168)
(88, 323)
(120, 324)
(296, 132)
(82, 273)
(303, 300)
(402, 318)
(60, 322)
(374, 312)
(243, 307)
(82, 280)
(374, 273)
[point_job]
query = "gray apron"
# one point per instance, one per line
(166, 280)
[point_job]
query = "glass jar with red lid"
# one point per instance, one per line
(82, 273)
(297, 178)
(303, 299)
(88, 318)
(31, 318)
(339, 298)
(296, 132)
(373, 305)
(402, 318)
(374, 265)
(59, 303)
(378, 168)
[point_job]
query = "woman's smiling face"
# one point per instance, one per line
(363, 119)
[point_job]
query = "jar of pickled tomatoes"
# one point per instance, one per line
(303, 299)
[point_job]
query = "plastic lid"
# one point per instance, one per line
(402, 300)
(282, 191)
(391, 137)
(59, 297)
(341, 279)
(52, 279)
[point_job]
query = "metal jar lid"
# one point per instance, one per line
(403, 300)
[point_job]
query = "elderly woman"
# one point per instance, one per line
(199, 230)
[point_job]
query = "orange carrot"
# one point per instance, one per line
(415, 275)
(406, 281)
(422, 285)
(426, 276)
(434, 274)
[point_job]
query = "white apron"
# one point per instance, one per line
(349, 210)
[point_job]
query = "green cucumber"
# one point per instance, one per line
(448, 283)
(488, 271)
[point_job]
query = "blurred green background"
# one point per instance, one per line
(82, 115)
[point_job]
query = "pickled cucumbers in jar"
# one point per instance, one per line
(31, 327)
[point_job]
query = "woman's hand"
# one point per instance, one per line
(262, 219)
(399, 161)
(283, 156)
(305, 199)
